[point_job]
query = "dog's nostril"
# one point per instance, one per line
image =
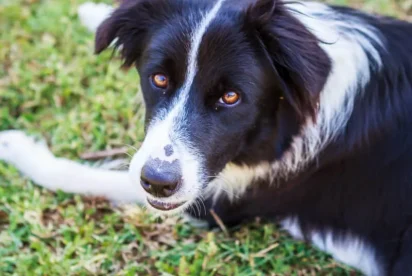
(170, 189)
(146, 185)
(159, 190)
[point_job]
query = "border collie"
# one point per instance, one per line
(298, 112)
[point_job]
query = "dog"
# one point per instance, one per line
(296, 112)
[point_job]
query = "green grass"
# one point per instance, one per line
(51, 84)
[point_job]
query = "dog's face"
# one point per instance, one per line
(222, 83)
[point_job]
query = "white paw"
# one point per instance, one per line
(19, 149)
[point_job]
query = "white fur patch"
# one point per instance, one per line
(292, 226)
(168, 128)
(91, 15)
(348, 40)
(234, 180)
(349, 249)
(35, 161)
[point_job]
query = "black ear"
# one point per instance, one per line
(105, 34)
(128, 28)
(300, 63)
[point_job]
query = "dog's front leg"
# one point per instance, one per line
(35, 160)
(232, 212)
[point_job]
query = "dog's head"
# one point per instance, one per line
(223, 82)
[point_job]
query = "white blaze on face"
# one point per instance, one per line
(167, 128)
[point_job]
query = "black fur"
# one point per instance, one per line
(361, 182)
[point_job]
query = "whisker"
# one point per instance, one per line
(195, 208)
(198, 208)
(191, 208)
(130, 146)
(128, 154)
(198, 200)
(202, 200)
(124, 166)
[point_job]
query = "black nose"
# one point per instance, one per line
(161, 178)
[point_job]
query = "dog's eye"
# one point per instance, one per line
(229, 98)
(160, 81)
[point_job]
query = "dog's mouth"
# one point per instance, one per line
(164, 206)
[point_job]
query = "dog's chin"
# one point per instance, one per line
(160, 207)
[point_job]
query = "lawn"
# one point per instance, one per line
(52, 85)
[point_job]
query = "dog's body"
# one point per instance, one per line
(319, 137)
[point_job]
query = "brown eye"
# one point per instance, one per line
(160, 81)
(229, 98)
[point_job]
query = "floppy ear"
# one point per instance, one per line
(128, 28)
(298, 60)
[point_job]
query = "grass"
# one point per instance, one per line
(51, 84)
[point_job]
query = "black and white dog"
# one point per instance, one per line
(294, 111)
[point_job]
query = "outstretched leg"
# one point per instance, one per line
(35, 160)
